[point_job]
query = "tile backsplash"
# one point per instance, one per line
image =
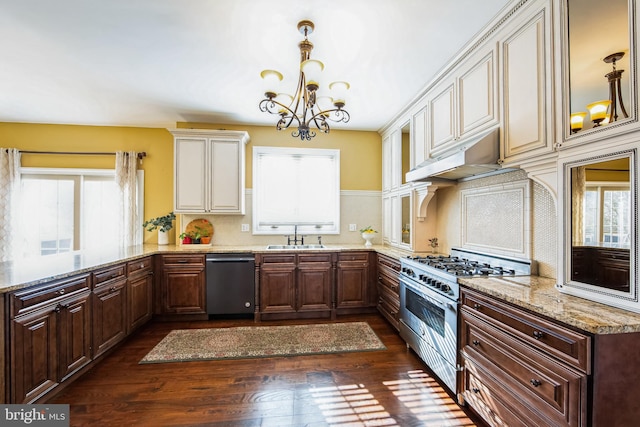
(505, 214)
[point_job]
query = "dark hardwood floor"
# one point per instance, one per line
(379, 388)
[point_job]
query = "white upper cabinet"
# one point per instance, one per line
(209, 171)
(463, 103)
(526, 78)
(419, 136)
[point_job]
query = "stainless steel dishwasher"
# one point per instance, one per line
(230, 283)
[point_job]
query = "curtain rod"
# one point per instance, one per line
(81, 153)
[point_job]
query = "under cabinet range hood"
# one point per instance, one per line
(477, 156)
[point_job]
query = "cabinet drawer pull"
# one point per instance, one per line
(536, 383)
(182, 261)
(58, 308)
(60, 292)
(112, 289)
(475, 390)
(475, 342)
(477, 306)
(538, 335)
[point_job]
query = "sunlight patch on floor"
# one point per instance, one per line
(428, 401)
(351, 406)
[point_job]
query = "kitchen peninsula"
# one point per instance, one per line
(602, 327)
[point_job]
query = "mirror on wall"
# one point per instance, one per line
(406, 218)
(599, 63)
(405, 154)
(601, 227)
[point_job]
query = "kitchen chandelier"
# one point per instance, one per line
(605, 111)
(306, 108)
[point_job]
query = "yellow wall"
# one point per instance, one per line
(157, 166)
(361, 153)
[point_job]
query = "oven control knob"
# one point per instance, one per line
(436, 284)
(422, 277)
(445, 288)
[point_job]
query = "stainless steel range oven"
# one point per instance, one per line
(429, 298)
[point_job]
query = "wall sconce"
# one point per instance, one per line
(577, 121)
(598, 111)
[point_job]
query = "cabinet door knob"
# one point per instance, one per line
(538, 335)
(535, 383)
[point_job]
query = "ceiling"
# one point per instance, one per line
(153, 63)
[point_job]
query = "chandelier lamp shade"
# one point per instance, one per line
(306, 109)
(605, 111)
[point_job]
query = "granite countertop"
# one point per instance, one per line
(34, 271)
(539, 295)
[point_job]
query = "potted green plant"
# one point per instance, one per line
(162, 224)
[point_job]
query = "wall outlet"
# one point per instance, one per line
(352, 227)
(245, 227)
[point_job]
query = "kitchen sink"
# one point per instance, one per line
(282, 247)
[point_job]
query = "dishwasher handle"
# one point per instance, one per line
(230, 259)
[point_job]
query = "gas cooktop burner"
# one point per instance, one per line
(461, 266)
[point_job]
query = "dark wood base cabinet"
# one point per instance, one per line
(182, 289)
(109, 308)
(294, 286)
(388, 289)
(520, 369)
(58, 330)
(50, 336)
(356, 290)
(314, 284)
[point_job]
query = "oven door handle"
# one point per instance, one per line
(451, 305)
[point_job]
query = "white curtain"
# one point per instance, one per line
(9, 192)
(128, 215)
(578, 189)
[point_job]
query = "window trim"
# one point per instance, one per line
(76, 174)
(303, 228)
(601, 187)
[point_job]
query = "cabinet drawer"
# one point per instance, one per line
(562, 343)
(100, 277)
(182, 259)
(278, 259)
(540, 383)
(390, 284)
(140, 266)
(353, 257)
(488, 399)
(36, 297)
(323, 257)
(390, 312)
(388, 266)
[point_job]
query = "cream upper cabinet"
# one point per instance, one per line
(209, 169)
(419, 136)
(395, 158)
(442, 117)
(463, 103)
(387, 162)
(526, 77)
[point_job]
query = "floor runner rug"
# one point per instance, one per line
(183, 345)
